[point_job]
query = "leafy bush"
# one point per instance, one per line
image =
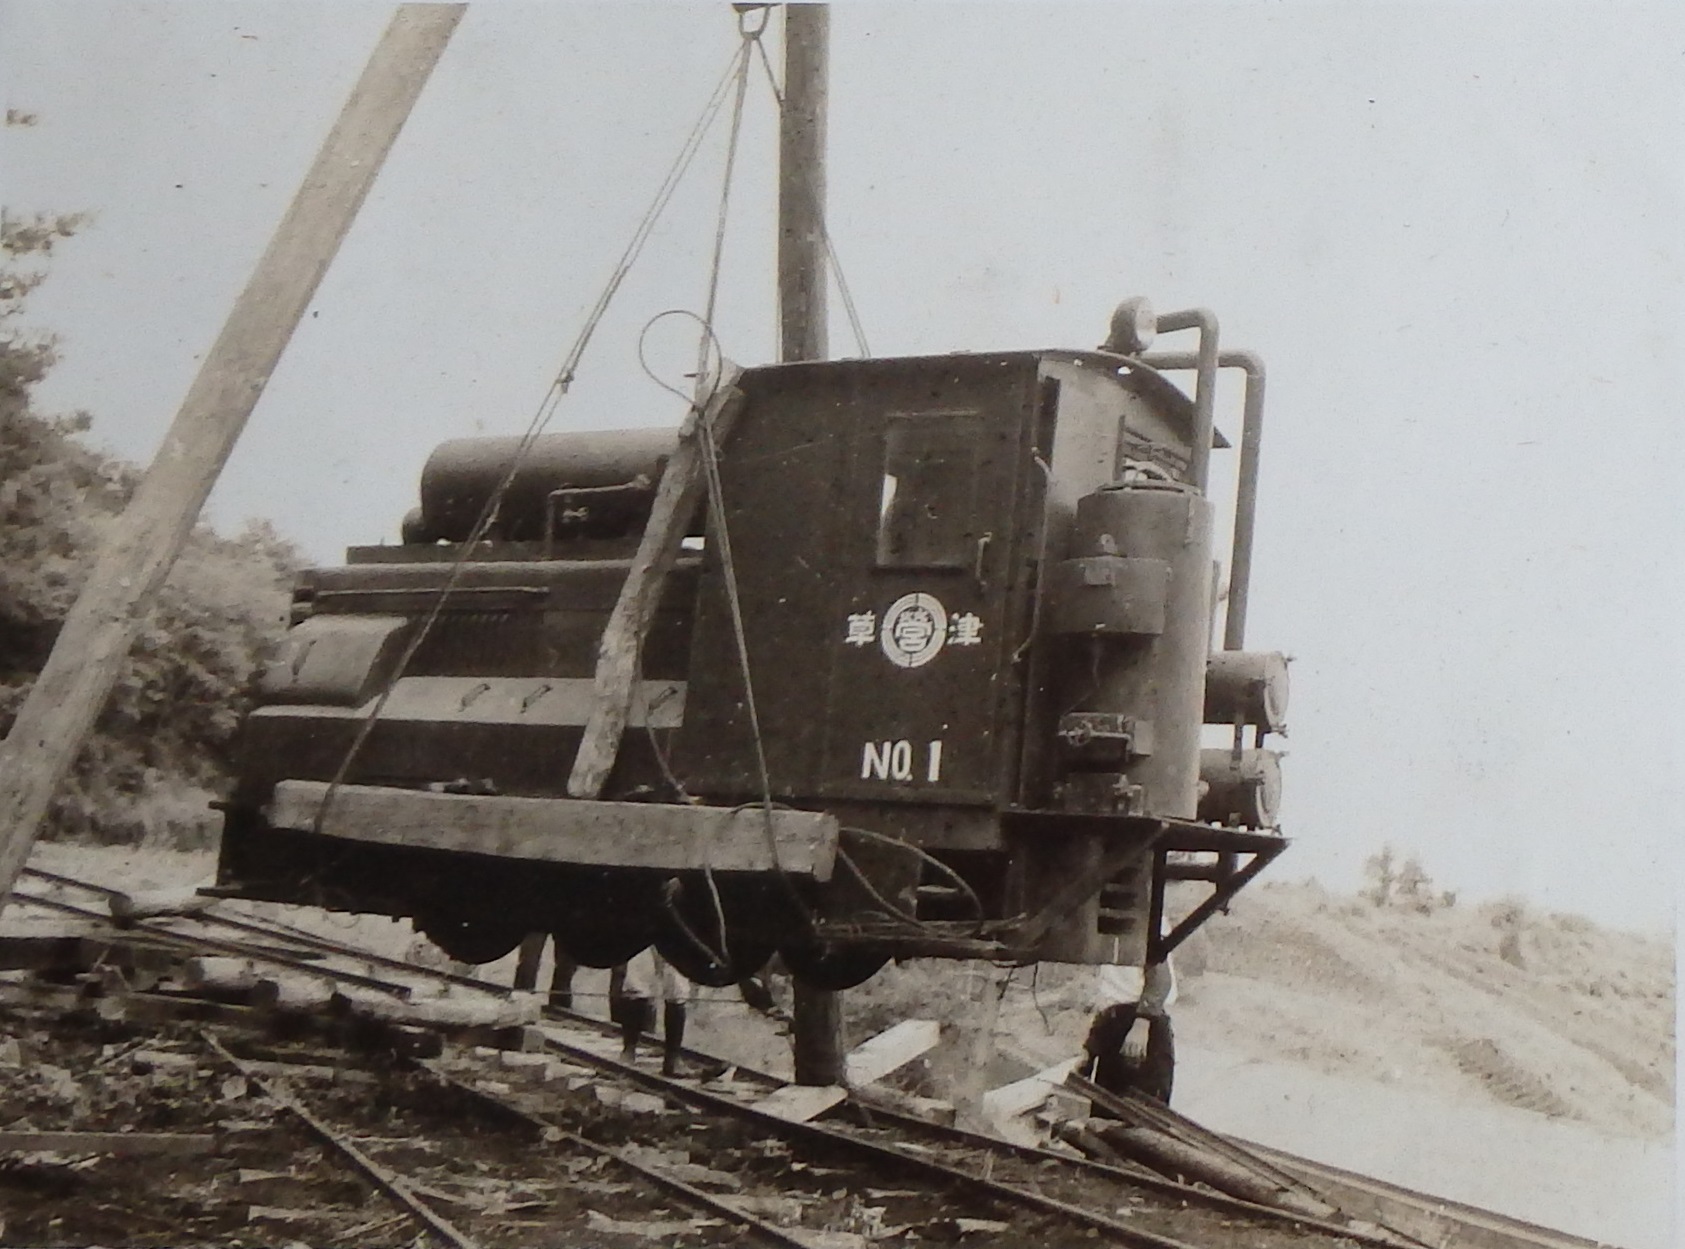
(161, 742)
(1405, 886)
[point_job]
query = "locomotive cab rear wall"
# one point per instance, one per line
(889, 522)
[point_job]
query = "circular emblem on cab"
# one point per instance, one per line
(914, 629)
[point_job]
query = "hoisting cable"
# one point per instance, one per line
(835, 262)
(719, 534)
(546, 409)
(706, 340)
(720, 537)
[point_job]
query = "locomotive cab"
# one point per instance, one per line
(931, 679)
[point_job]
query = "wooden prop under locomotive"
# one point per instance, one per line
(936, 689)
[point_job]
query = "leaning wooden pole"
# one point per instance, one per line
(94, 642)
(613, 689)
(817, 1024)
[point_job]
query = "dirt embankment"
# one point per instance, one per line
(1544, 1012)
(1493, 1003)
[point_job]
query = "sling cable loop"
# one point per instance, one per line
(541, 418)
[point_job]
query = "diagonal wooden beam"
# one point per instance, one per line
(623, 636)
(92, 646)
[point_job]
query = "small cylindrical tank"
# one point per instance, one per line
(461, 475)
(1242, 788)
(1132, 605)
(1247, 687)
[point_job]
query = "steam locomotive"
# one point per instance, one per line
(932, 675)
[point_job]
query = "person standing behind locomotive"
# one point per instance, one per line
(1130, 1044)
(647, 977)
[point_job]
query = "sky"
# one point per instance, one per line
(1451, 230)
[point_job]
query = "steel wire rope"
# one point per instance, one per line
(924, 855)
(739, 76)
(546, 410)
(721, 538)
(856, 327)
(705, 339)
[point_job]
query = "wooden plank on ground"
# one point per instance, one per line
(892, 1048)
(482, 1012)
(120, 1144)
(800, 1102)
(1022, 1096)
(870, 1061)
(36, 944)
(663, 836)
(598, 1043)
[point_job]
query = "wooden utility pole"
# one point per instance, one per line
(816, 1032)
(71, 691)
(802, 270)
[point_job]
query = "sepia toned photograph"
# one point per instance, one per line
(840, 624)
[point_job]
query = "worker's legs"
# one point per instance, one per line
(637, 1016)
(1108, 1066)
(1157, 1071)
(561, 980)
(526, 966)
(672, 1036)
(617, 992)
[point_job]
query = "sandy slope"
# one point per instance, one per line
(1515, 1060)
(1546, 1170)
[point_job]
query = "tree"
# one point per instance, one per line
(173, 712)
(1382, 876)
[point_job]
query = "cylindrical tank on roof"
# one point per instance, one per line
(461, 475)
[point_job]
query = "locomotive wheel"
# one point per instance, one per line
(599, 948)
(469, 940)
(748, 956)
(831, 969)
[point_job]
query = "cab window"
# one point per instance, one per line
(928, 490)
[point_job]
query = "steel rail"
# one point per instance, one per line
(61, 879)
(237, 949)
(1137, 1108)
(1439, 1215)
(298, 936)
(389, 1182)
(1127, 1173)
(1006, 1194)
(549, 1131)
(770, 1082)
(1427, 1204)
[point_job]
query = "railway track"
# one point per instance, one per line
(572, 1145)
(1060, 1194)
